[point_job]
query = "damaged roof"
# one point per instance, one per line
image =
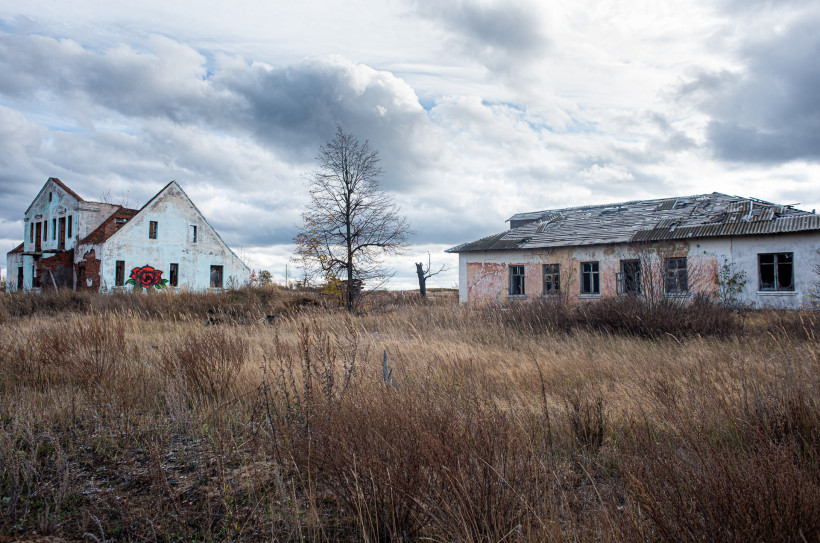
(686, 217)
(109, 226)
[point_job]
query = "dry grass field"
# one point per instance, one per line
(128, 418)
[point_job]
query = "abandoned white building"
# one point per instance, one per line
(73, 243)
(674, 246)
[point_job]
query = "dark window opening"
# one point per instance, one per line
(20, 278)
(552, 279)
(629, 280)
(69, 226)
(776, 271)
(31, 234)
(53, 229)
(676, 276)
(174, 275)
(39, 237)
(590, 279)
(49, 196)
(517, 281)
(193, 233)
(61, 246)
(216, 276)
(152, 230)
(119, 277)
(45, 230)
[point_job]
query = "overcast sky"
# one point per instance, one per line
(480, 108)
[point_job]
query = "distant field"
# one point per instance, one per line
(130, 418)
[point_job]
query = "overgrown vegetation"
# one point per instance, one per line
(532, 422)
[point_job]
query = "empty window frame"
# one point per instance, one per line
(31, 234)
(629, 280)
(174, 275)
(53, 229)
(676, 278)
(192, 233)
(517, 281)
(776, 271)
(45, 230)
(119, 273)
(69, 226)
(152, 230)
(552, 279)
(216, 276)
(590, 278)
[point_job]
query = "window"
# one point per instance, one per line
(61, 245)
(629, 280)
(676, 279)
(69, 226)
(517, 281)
(174, 279)
(776, 271)
(49, 196)
(45, 230)
(152, 230)
(590, 282)
(53, 229)
(20, 278)
(119, 275)
(31, 234)
(216, 276)
(552, 279)
(193, 233)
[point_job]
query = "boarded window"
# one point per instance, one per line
(192, 234)
(119, 273)
(776, 271)
(676, 279)
(174, 275)
(152, 230)
(61, 245)
(552, 279)
(216, 276)
(517, 281)
(590, 279)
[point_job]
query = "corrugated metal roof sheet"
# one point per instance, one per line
(705, 215)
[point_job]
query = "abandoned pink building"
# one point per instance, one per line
(673, 246)
(70, 242)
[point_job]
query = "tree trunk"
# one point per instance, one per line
(422, 280)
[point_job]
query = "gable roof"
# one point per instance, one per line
(687, 217)
(201, 216)
(18, 249)
(109, 226)
(59, 184)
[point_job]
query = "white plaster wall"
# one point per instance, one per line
(175, 215)
(92, 214)
(741, 252)
(13, 262)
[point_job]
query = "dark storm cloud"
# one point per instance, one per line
(769, 111)
(293, 109)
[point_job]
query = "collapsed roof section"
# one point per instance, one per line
(689, 217)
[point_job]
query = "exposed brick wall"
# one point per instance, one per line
(88, 268)
(60, 267)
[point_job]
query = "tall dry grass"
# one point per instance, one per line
(501, 424)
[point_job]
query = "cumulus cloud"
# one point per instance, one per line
(768, 110)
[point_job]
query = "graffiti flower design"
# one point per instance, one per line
(146, 277)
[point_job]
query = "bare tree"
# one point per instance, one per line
(425, 274)
(350, 222)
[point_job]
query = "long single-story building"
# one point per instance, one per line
(70, 242)
(677, 247)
